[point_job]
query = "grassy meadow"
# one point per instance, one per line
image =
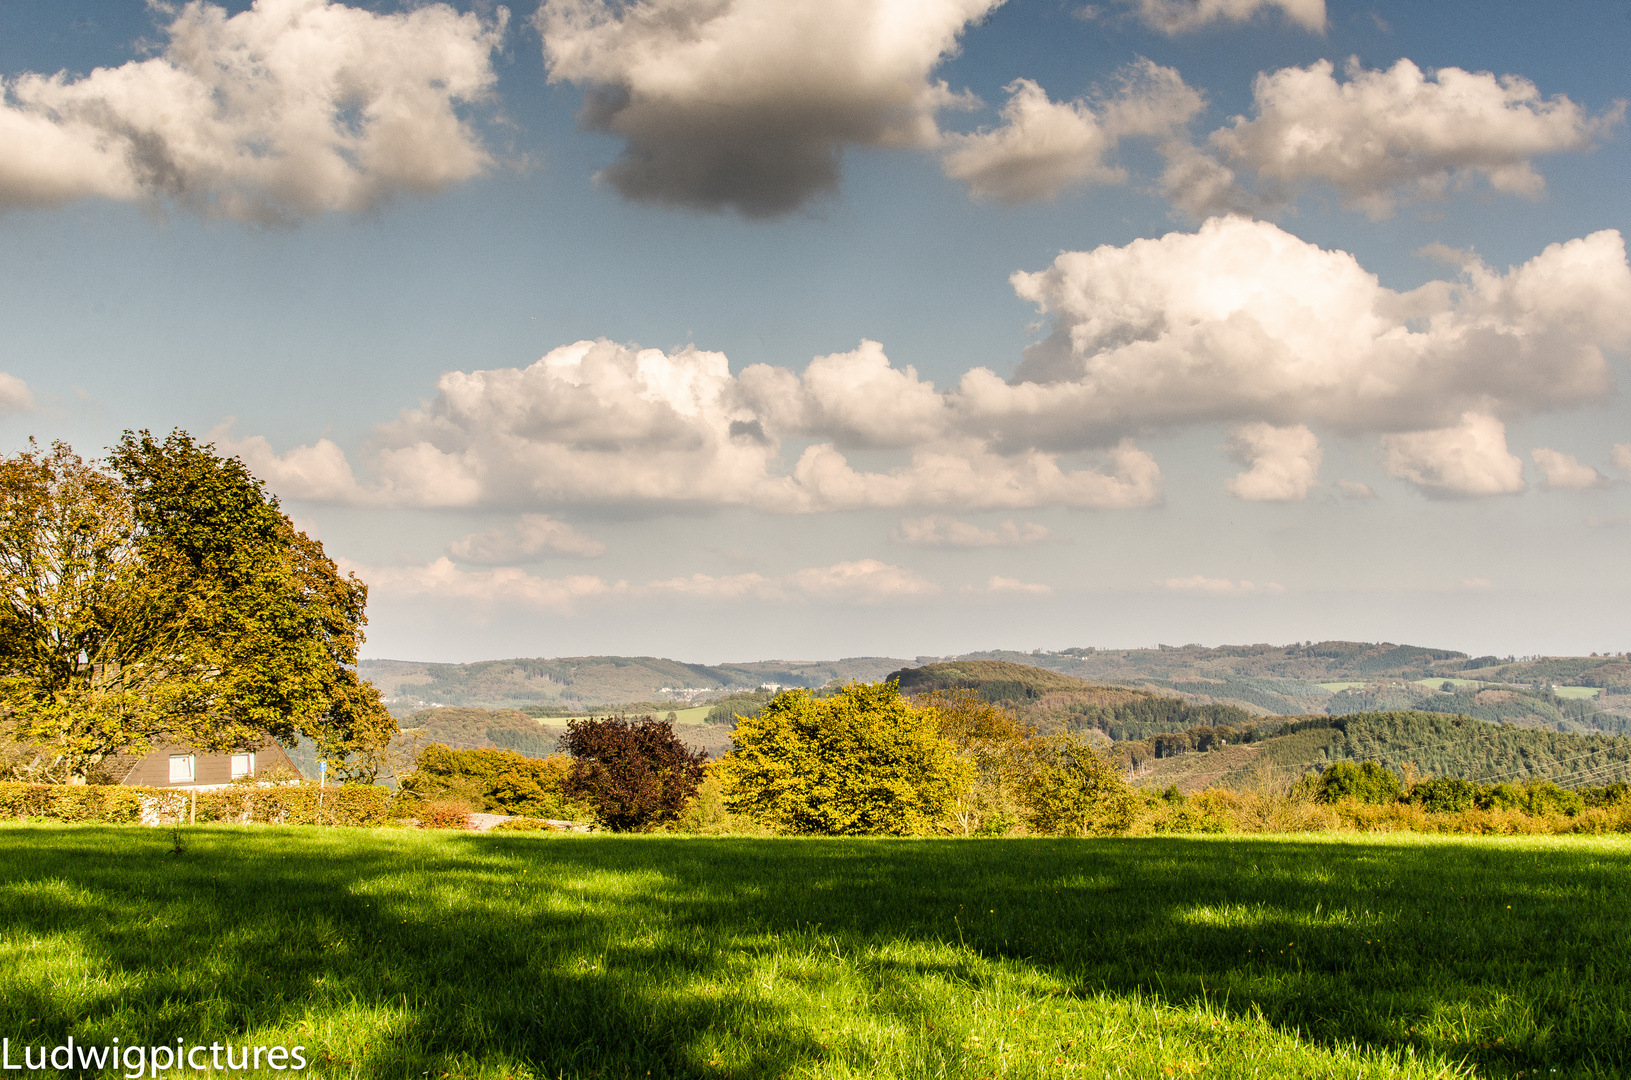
(398, 953)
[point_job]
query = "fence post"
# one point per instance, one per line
(192, 810)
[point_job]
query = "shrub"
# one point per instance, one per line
(1069, 789)
(496, 781)
(105, 804)
(1503, 797)
(442, 815)
(1368, 782)
(295, 804)
(1610, 795)
(991, 741)
(708, 815)
(862, 761)
(1445, 795)
(524, 824)
(1545, 797)
(637, 774)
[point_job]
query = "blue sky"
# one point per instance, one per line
(1382, 400)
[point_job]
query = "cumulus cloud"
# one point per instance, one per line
(1383, 136)
(1470, 458)
(1622, 456)
(1242, 322)
(505, 586)
(284, 111)
(1565, 470)
(15, 396)
(942, 531)
(1220, 586)
(1354, 489)
(1183, 16)
(1285, 462)
(597, 422)
(533, 536)
(316, 473)
(1238, 323)
(1045, 147)
(749, 104)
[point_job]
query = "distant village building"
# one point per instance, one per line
(181, 766)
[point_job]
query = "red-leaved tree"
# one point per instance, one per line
(637, 774)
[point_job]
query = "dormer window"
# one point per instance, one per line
(243, 765)
(181, 768)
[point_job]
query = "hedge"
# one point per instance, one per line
(295, 804)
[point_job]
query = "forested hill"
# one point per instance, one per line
(587, 682)
(1413, 744)
(1564, 693)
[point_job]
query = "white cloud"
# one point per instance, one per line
(504, 586)
(856, 399)
(1285, 462)
(1181, 16)
(750, 104)
(864, 581)
(1238, 322)
(941, 531)
(1470, 458)
(15, 396)
(1382, 136)
(286, 110)
(317, 473)
(1622, 456)
(597, 422)
(1007, 586)
(1354, 489)
(1241, 321)
(967, 475)
(1565, 471)
(1044, 147)
(534, 535)
(1220, 586)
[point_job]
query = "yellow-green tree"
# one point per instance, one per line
(862, 761)
(993, 743)
(1070, 789)
(167, 598)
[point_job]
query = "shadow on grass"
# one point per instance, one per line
(616, 956)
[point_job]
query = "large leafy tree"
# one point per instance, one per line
(862, 761)
(168, 598)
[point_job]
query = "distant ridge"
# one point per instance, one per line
(1304, 678)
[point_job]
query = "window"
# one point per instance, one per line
(243, 765)
(181, 768)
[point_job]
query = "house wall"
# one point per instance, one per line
(210, 770)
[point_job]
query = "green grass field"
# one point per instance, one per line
(1578, 693)
(394, 953)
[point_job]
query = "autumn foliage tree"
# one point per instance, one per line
(635, 773)
(862, 761)
(164, 597)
